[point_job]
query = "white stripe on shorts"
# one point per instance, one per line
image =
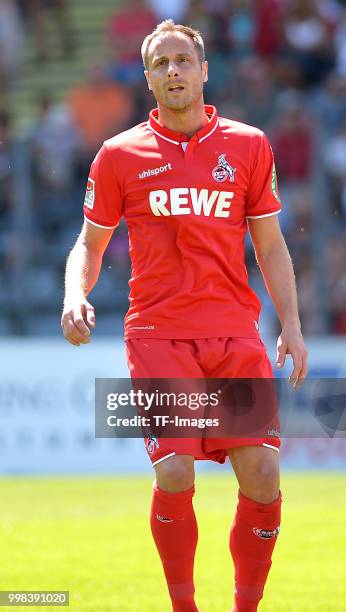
(163, 458)
(270, 446)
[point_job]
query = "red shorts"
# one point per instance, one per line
(201, 358)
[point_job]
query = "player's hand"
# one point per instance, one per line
(290, 342)
(77, 321)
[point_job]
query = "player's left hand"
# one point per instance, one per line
(291, 342)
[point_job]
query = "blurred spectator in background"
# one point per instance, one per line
(241, 27)
(169, 9)
(100, 108)
(126, 29)
(35, 11)
(212, 19)
(9, 240)
(55, 145)
(198, 17)
(6, 170)
(336, 257)
(308, 40)
(291, 137)
(11, 46)
(268, 27)
(291, 133)
(335, 160)
(340, 43)
(255, 88)
(305, 271)
(329, 103)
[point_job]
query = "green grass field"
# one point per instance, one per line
(90, 536)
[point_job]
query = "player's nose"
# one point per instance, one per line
(172, 69)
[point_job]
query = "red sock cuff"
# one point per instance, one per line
(266, 516)
(172, 505)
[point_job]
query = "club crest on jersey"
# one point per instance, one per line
(223, 170)
(90, 194)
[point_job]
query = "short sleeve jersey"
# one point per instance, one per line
(186, 205)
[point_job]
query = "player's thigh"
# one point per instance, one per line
(257, 469)
(175, 473)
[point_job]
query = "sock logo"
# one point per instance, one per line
(266, 534)
(163, 519)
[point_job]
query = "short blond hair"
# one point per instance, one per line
(169, 26)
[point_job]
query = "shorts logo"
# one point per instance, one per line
(274, 433)
(266, 534)
(90, 194)
(142, 327)
(223, 170)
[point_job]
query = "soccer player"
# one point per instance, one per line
(189, 184)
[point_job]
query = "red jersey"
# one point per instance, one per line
(185, 203)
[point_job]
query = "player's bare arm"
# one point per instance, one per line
(277, 270)
(82, 272)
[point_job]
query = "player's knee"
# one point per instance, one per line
(175, 474)
(266, 475)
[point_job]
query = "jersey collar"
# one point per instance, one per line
(178, 137)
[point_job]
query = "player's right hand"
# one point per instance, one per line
(77, 321)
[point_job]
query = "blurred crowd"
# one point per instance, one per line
(277, 64)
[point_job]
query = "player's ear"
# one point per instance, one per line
(205, 71)
(146, 74)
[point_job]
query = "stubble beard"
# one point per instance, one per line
(180, 106)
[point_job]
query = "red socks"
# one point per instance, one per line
(174, 529)
(252, 540)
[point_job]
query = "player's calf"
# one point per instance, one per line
(252, 539)
(256, 524)
(174, 528)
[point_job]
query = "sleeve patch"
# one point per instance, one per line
(90, 194)
(275, 184)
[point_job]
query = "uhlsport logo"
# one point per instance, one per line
(155, 171)
(223, 170)
(189, 200)
(90, 194)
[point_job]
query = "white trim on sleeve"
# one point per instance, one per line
(98, 225)
(262, 216)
